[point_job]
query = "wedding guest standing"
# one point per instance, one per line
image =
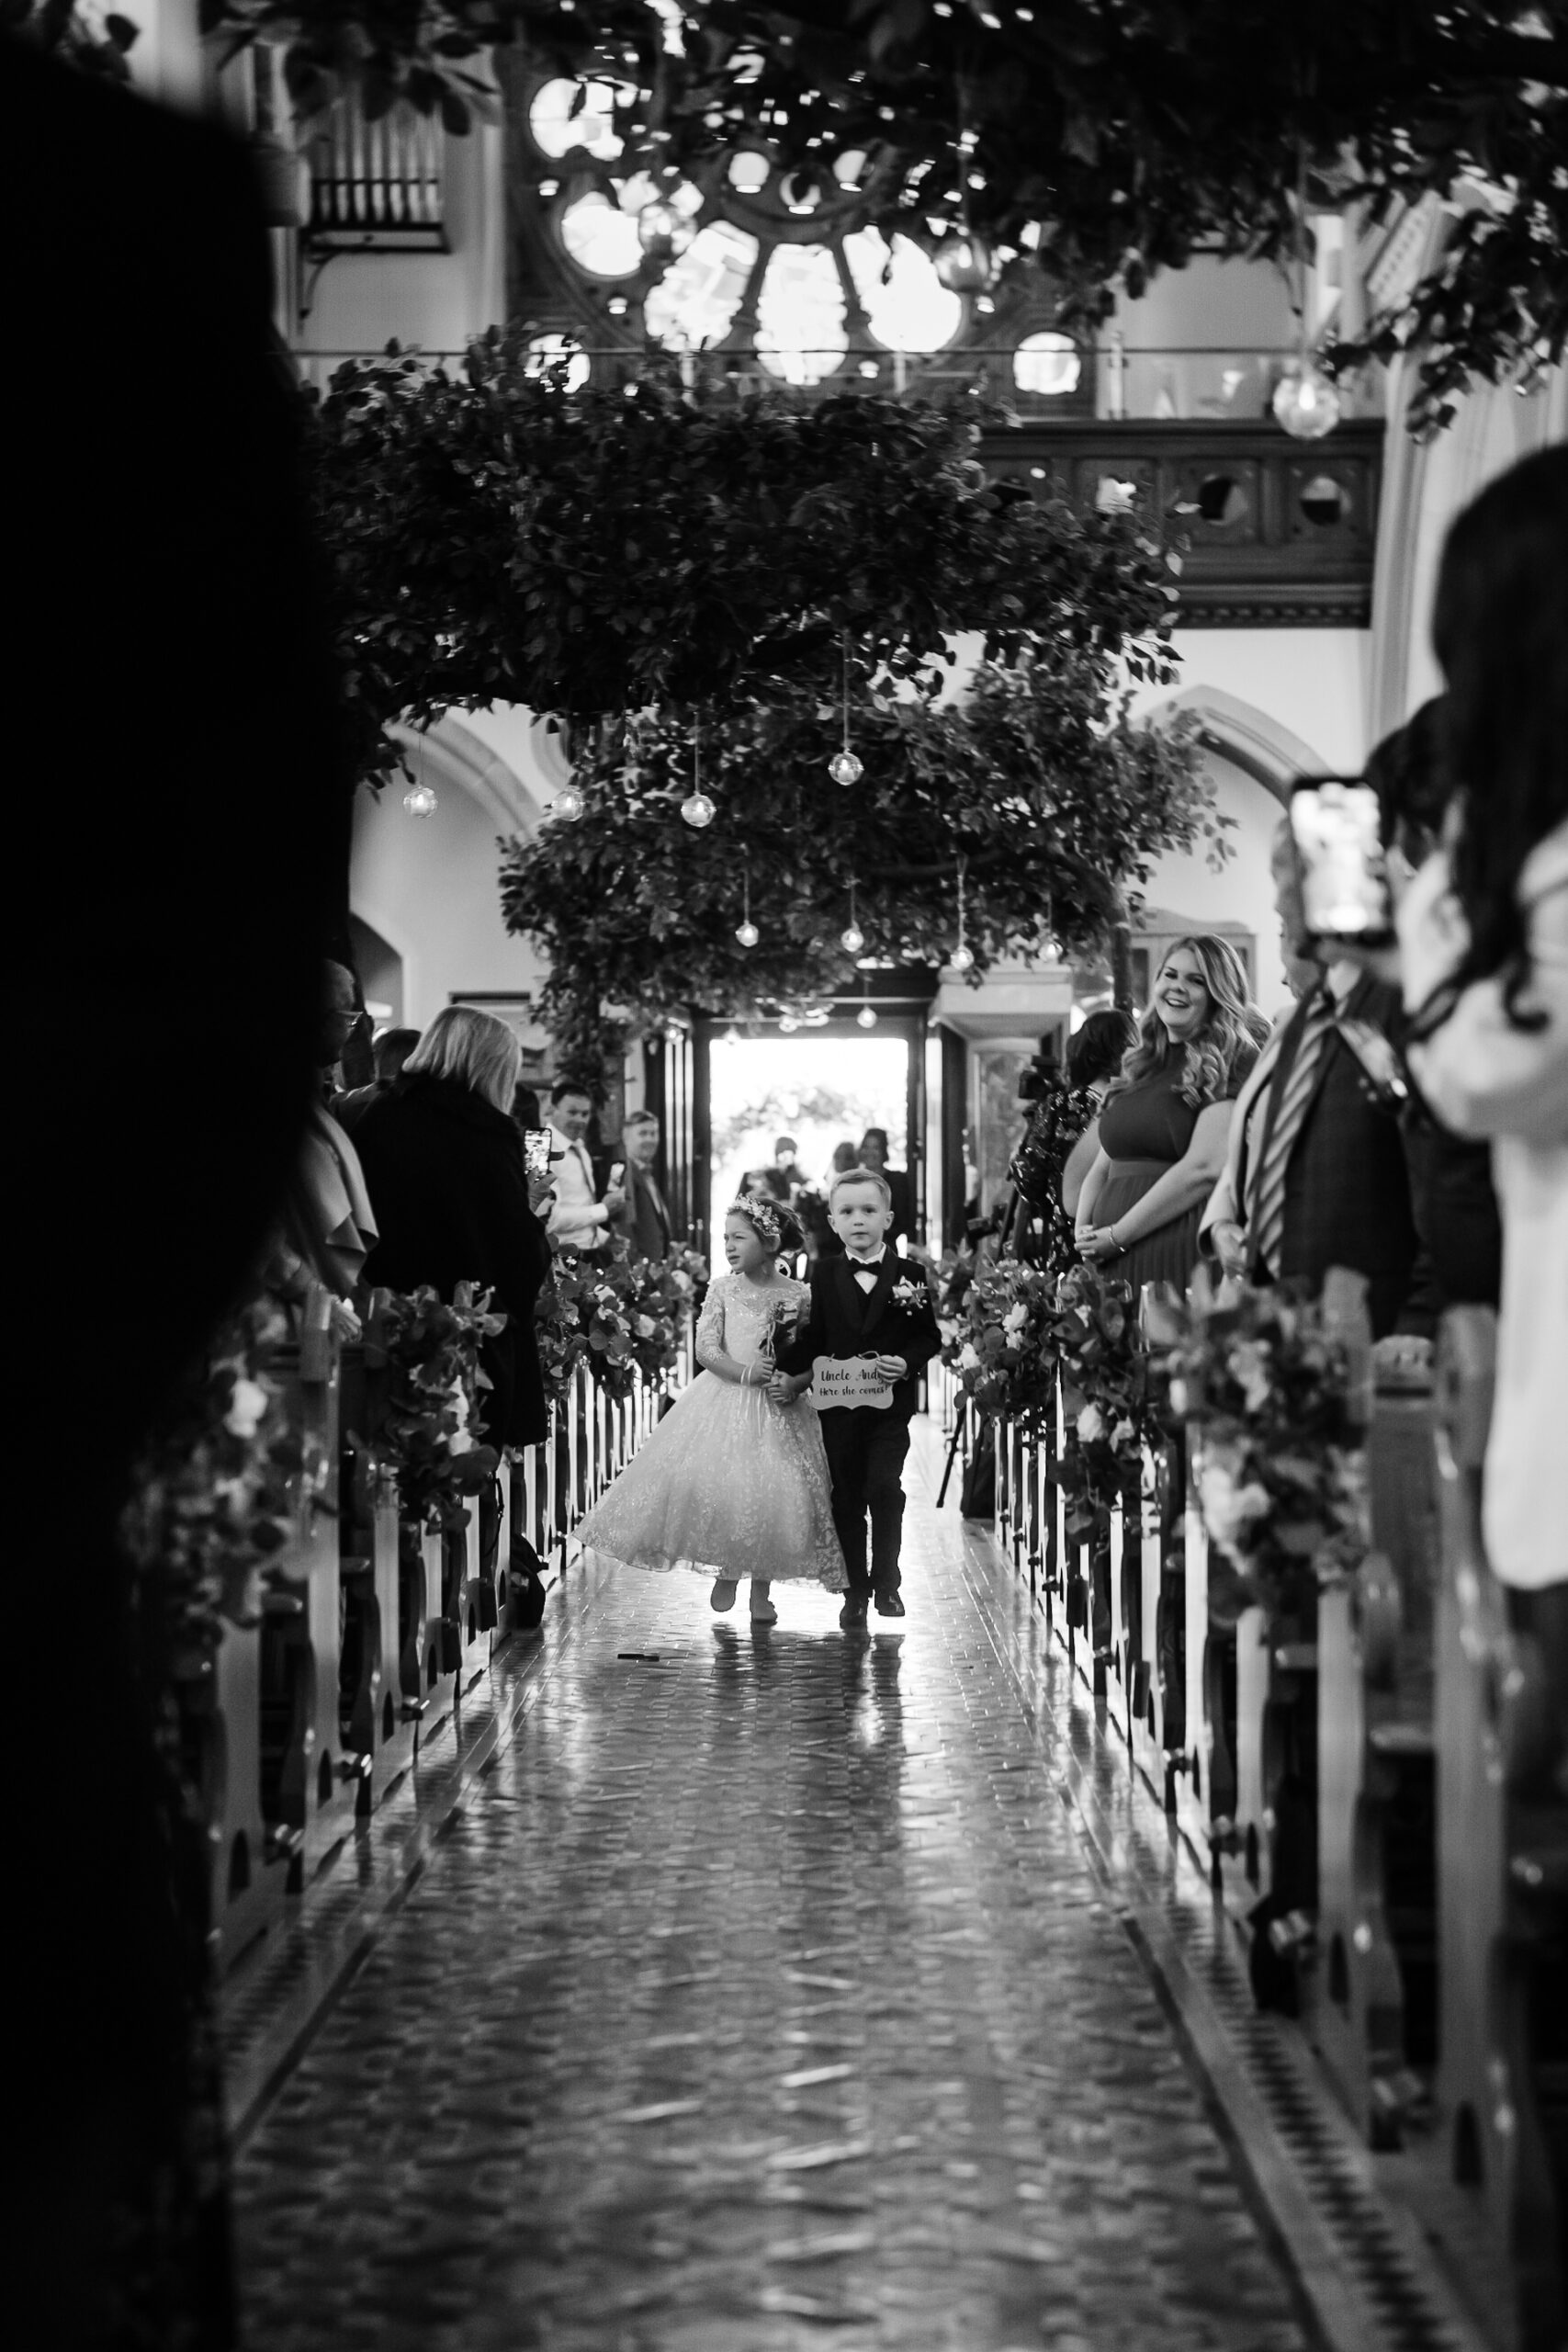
(389, 1053)
(1094, 1057)
(444, 1159)
(642, 1218)
(580, 1218)
(1166, 1118)
(1484, 930)
(874, 1154)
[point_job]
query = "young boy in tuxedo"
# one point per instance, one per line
(872, 1305)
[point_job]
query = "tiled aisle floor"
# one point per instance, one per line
(760, 1996)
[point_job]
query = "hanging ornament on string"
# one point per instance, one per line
(696, 807)
(852, 939)
(1052, 950)
(568, 804)
(420, 800)
(844, 767)
(963, 261)
(746, 931)
(963, 957)
(866, 1017)
(1305, 402)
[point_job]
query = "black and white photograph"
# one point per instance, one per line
(789, 925)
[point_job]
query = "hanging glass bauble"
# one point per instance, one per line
(420, 800)
(844, 768)
(1052, 951)
(1307, 404)
(964, 262)
(697, 809)
(962, 958)
(661, 232)
(746, 932)
(853, 939)
(865, 1018)
(568, 804)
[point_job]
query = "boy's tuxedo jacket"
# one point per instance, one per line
(844, 1320)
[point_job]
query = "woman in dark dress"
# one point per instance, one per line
(1167, 1119)
(443, 1158)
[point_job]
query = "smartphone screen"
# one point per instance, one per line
(1339, 863)
(536, 1151)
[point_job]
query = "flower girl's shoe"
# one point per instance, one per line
(762, 1609)
(723, 1593)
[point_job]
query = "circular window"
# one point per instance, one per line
(1324, 500)
(601, 238)
(1046, 364)
(568, 115)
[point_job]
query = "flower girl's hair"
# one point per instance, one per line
(770, 1219)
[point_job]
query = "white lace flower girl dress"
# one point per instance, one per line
(728, 1484)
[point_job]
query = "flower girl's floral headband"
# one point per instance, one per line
(763, 1215)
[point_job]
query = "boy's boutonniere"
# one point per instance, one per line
(907, 1292)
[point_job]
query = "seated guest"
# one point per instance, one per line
(874, 1154)
(642, 1218)
(1315, 1174)
(580, 1218)
(1166, 1118)
(389, 1052)
(444, 1163)
(1484, 933)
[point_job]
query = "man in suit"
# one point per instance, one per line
(579, 1219)
(1315, 1174)
(868, 1302)
(642, 1218)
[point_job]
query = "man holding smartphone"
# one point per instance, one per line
(579, 1219)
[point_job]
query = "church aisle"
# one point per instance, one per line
(763, 1992)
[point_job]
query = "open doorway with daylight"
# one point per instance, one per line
(820, 1089)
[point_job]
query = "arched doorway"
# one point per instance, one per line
(381, 969)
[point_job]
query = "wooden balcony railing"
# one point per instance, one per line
(1279, 534)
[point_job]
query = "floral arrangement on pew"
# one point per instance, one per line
(621, 1316)
(1267, 1390)
(1003, 1354)
(213, 1500)
(428, 1433)
(1105, 1396)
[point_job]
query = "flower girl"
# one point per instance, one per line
(730, 1483)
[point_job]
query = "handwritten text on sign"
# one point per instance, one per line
(848, 1380)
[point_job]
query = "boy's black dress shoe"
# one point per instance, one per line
(889, 1605)
(852, 1616)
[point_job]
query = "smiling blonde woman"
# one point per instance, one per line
(1167, 1119)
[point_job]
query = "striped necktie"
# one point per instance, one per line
(1266, 1207)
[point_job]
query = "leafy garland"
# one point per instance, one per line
(428, 1433)
(497, 538)
(1281, 1466)
(621, 1316)
(1114, 144)
(214, 1494)
(1037, 790)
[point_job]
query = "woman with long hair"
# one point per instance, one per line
(1484, 935)
(1166, 1118)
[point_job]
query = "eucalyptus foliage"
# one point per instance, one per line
(1052, 803)
(497, 538)
(1106, 141)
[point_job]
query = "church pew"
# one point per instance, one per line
(1502, 1954)
(1372, 2003)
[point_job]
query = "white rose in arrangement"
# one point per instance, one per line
(248, 1408)
(1180, 1399)
(1123, 1434)
(1091, 1425)
(970, 1357)
(646, 1327)
(460, 1441)
(1016, 1319)
(1248, 1366)
(1229, 1511)
(458, 1404)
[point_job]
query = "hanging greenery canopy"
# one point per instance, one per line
(1104, 142)
(497, 538)
(1033, 797)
